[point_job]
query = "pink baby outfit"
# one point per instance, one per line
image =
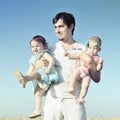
(84, 68)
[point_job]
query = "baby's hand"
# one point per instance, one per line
(47, 71)
(66, 54)
(100, 60)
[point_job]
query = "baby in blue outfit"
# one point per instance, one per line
(41, 72)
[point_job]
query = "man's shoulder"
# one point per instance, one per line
(54, 46)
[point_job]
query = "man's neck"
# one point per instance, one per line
(67, 44)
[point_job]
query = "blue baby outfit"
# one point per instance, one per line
(35, 57)
(46, 79)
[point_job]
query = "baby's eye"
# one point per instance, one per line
(32, 46)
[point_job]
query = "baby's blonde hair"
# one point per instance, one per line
(95, 39)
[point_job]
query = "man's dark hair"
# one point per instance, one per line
(67, 18)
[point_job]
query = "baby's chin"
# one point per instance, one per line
(35, 53)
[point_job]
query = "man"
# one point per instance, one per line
(59, 104)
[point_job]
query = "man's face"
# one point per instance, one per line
(62, 31)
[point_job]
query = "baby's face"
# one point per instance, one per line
(93, 49)
(36, 47)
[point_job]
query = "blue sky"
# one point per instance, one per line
(20, 20)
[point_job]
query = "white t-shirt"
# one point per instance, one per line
(65, 68)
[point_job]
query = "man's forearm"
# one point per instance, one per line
(95, 76)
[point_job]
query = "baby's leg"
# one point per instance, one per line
(38, 102)
(84, 88)
(32, 76)
(73, 79)
(24, 79)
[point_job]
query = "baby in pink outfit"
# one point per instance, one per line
(82, 67)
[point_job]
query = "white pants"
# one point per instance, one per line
(67, 108)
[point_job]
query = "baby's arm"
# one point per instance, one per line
(50, 60)
(72, 55)
(100, 64)
(38, 64)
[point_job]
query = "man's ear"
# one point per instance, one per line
(72, 26)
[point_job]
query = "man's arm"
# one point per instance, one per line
(94, 74)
